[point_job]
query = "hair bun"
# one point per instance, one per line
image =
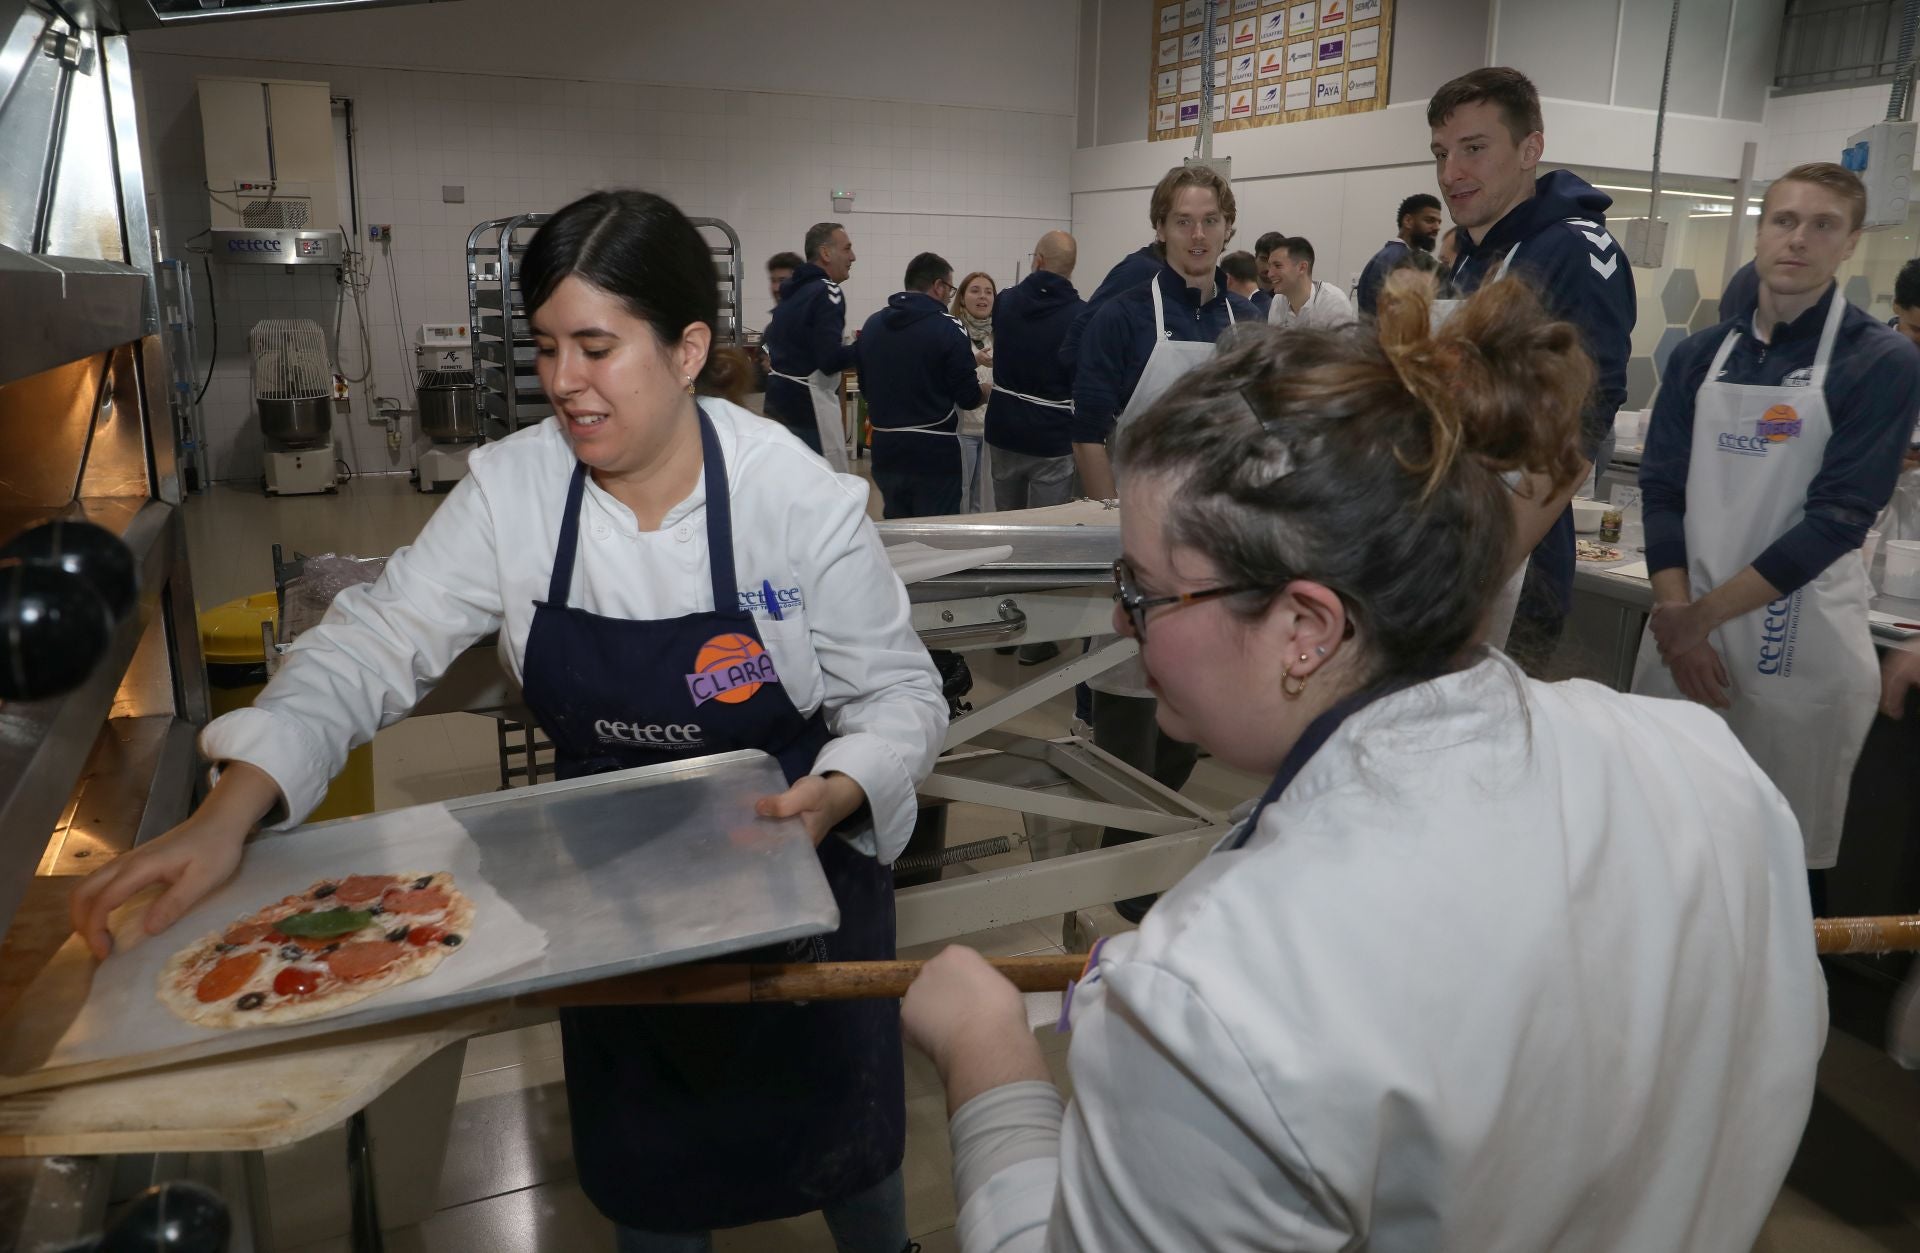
(1501, 380)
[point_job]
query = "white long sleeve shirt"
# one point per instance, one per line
(1508, 967)
(844, 640)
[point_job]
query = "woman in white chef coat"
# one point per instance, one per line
(625, 549)
(1496, 965)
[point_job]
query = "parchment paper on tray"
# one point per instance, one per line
(914, 561)
(80, 1011)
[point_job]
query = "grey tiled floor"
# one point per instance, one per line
(509, 1181)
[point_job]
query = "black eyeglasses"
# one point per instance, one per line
(1127, 592)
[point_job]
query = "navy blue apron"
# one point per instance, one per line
(687, 1118)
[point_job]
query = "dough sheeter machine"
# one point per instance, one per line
(1038, 575)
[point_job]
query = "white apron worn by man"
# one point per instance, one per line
(1166, 364)
(1506, 602)
(1804, 680)
(824, 390)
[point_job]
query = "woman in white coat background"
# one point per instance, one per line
(611, 547)
(1496, 965)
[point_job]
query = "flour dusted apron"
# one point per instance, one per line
(1506, 602)
(1804, 679)
(690, 1117)
(1166, 364)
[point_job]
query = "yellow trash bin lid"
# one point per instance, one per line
(230, 633)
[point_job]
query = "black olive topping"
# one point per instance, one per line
(331, 948)
(292, 952)
(398, 934)
(325, 890)
(423, 881)
(252, 1000)
(376, 909)
(222, 946)
(451, 941)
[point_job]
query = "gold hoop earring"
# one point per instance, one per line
(1292, 685)
(689, 379)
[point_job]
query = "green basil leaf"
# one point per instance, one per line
(326, 923)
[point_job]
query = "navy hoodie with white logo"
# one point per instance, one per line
(916, 370)
(1030, 321)
(1582, 275)
(804, 337)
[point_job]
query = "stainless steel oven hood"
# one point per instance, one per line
(146, 14)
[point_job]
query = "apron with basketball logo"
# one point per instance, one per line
(1805, 681)
(687, 1118)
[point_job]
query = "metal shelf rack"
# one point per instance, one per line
(731, 333)
(503, 351)
(503, 354)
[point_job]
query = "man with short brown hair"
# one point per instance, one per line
(1775, 440)
(1487, 141)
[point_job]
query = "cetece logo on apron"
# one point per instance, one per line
(1777, 631)
(730, 669)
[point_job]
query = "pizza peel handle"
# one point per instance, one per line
(721, 983)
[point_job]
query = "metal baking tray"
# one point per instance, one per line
(623, 872)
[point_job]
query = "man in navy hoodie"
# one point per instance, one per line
(1418, 231)
(917, 370)
(1129, 272)
(1487, 141)
(804, 352)
(1032, 401)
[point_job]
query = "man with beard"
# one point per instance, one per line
(1419, 220)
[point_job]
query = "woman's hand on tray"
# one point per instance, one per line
(191, 860)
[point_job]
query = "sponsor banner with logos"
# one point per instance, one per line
(1275, 61)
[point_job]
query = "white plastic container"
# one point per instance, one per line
(1901, 575)
(1586, 515)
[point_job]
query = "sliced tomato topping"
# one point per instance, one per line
(362, 887)
(420, 937)
(363, 958)
(228, 977)
(247, 932)
(417, 901)
(296, 981)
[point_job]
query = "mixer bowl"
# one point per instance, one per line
(296, 422)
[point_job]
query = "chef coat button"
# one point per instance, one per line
(683, 532)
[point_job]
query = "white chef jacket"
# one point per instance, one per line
(1509, 966)
(844, 639)
(1327, 307)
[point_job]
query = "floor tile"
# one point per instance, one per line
(505, 1143)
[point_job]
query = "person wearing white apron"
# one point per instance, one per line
(1138, 347)
(1032, 401)
(1762, 471)
(918, 373)
(805, 352)
(1497, 966)
(1487, 139)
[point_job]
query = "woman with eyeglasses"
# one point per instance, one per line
(1494, 964)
